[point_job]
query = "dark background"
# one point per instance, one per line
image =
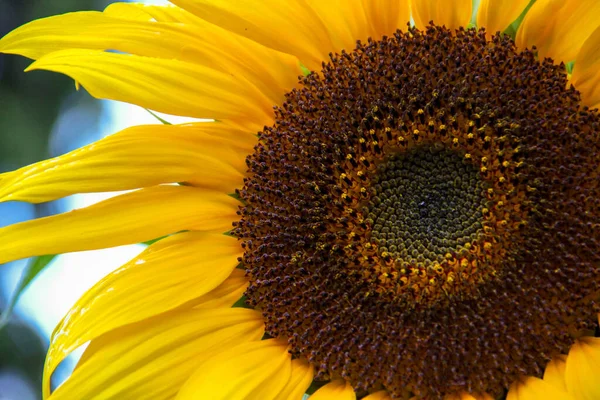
(29, 107)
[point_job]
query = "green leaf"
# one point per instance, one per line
(305, 71)
(152, 241)
(514, 27)
(163, 121)
(33, 268)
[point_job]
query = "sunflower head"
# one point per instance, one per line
(410, 204)
(417, 217)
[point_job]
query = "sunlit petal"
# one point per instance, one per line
(170, 86)
(151, 359)
(126, 219)
(558, 29)
(451, 13)
(256, 370)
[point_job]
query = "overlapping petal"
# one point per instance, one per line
(255, 370)
(558, 29)
(168, 274)
(497, 15)
(469, 396)
(273, 72)
(137, 157)
(385, 16)
(170, 86)
(586, 72)
(224, 295)
(583, 369)
(126, 219)
(532, 388)
(292, 27)
(300, 379)
(554, 373)
(452, 13)
(151, 359)
(338, 389)
(381, 395)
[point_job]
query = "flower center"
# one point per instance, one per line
(426, 203)
(423, 216)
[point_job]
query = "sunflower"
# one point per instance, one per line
(376, 209)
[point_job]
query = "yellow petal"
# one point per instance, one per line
(288, 26)
(129, 218)
(335, 390)
(133, 11)
(384, 17)
(468, 396)
(224, 295)
(532, 388)
(300, 379)
(204, 44)
(555, 372)
(582, 372)
(255, 370)
(167, 274)
(381, 395)
(137, 157)
(153, 358)
(345, 21)
(170, 86)
(586, 72)
(558, 28)
(452, 13)
(497, 15)
(147, 12)
(95, 30)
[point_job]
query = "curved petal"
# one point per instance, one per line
(558, 29)
(290, 26)
(497, 15)
(170, 86)
(137, 157)
(126, 219)
(469, 396)
(153, 358)
(532, 388)
(583, 369)
(202, 43)
(452, 13)
(300, 379)
(384, 17)
(554, 373)
(167, 274)
(149, 12)
(345, 21)
(224, 295)
(381, 395)
(335, 390)
(255, 370)
(586, 72)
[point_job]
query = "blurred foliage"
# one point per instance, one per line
(29, 106)
(29, 103)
